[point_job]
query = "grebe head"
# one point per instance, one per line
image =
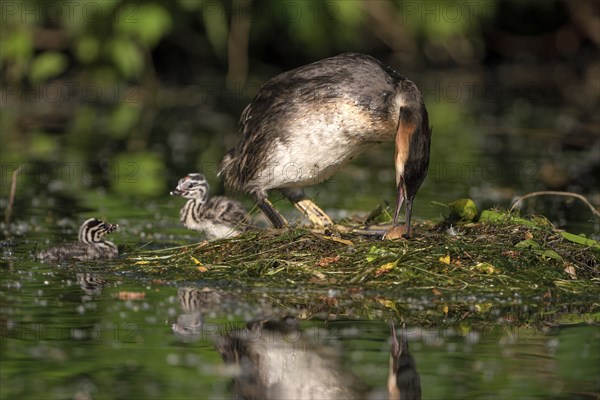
(192, 186)
(93, 230)
(413, 139)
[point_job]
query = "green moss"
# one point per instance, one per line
(463, 209)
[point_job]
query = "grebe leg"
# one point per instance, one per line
(277, 220)
(409, 203)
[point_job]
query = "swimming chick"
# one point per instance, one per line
(91, 245)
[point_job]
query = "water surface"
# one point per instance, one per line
(80, 330)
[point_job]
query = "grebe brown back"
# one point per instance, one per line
(91, 244)
(215, 217)
(304, 124)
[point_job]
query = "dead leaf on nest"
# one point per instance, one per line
(445, 259)
(486, 268)
(570, 269)
(385, 268)
(196, 261)
(386, 303)
(131, 295)
(202, 268)
(325, 261)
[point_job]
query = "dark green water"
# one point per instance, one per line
(71, 331)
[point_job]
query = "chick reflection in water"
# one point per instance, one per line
(279, 361)
(193, 302)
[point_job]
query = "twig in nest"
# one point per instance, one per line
(11, 198)
(555, 193)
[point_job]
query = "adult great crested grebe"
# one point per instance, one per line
(91, 245)
(304, 124)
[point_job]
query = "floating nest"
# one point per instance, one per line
(493, 252)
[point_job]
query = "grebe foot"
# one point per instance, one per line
(396, 232)
(314, 213)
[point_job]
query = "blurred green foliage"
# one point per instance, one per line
(107, 64)
(47, 65)
(167, 80)
(138, 174)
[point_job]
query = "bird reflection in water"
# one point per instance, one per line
(277, 360)
(193, 302)
(91, 284)
(404, 382)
